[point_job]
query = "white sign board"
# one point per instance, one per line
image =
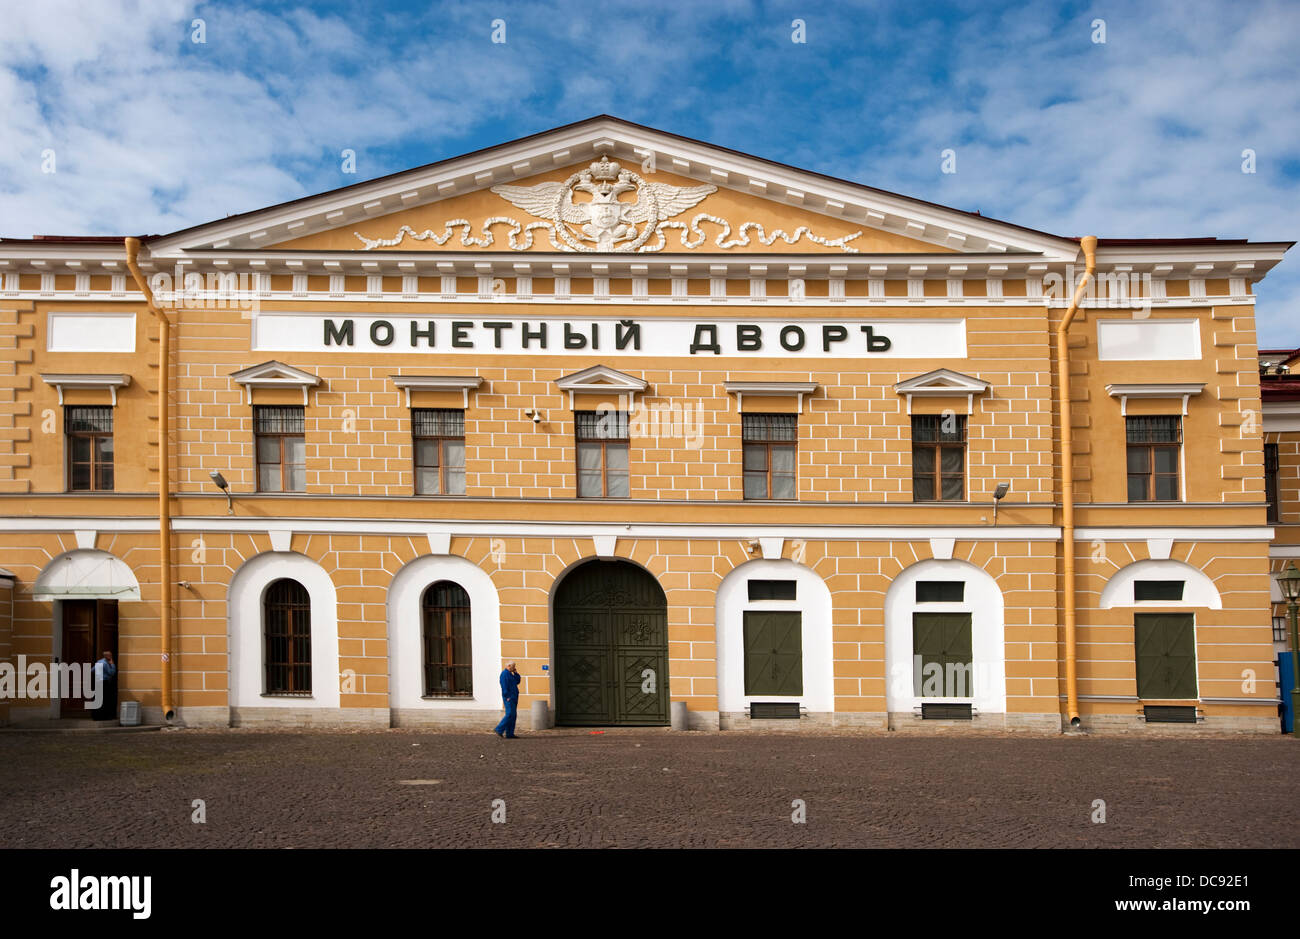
(512, 334)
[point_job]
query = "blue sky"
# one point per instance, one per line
(1141, 135)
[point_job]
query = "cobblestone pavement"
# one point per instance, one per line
(642, 789)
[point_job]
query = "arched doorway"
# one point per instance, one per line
(611, 647)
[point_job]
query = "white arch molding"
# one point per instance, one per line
(982, 598)
(247, 646)
(405, 633)
(812, 600)
(1198, 589)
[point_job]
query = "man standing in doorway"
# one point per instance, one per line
(105, 673)
(510, 679)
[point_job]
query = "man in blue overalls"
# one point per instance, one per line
(510, 679)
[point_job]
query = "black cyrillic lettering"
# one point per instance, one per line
(429, 334)
(459, 335)
(381, 332)
(529, 335)
(749, 338)
(699, 345)
(792, 346)
(627, 331)
(496, 332)
(876, 343)
(337, 335)
(573, 340)
(833, 334)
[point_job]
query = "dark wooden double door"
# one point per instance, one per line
(611, 647)
(89, 628)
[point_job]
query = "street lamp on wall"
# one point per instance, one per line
(224, 487)
(1288, 582)
(998, 495)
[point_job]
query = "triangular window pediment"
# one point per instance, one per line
(942, 381)
(275, 374)
(601, 379)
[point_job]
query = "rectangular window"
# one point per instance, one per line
(771, 590)
(1153, 451)
(941, 650)
(602, 454)
(89, 435)
(1270, 481)
(439, 451)
(1166, 655)
(281, 449)
(773, 653)
(769, 443)
(940, 591)
(1157, 590)
(939, 458)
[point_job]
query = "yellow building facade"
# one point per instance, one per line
(691, 436)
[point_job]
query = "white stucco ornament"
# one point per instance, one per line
(599, 221)
(603, 222)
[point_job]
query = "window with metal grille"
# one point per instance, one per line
(281, 448)
(439, 451)
(89, 437)
(939, 457)
(1157, 590)
(940, 591)
(771, 590)
(1153, 451)
(602, 444)
(286, 613)
(769, 443)
(1270, 481)
(448, 661)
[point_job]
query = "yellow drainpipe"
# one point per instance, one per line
(164, 477)
(1067, 477)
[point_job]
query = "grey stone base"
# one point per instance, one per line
(860, 720)
(22, 714)
(702, 720)
(450, 718)
(189, 716)
(325, 718)
(1213, 724)
(740, 720)
(908, 722)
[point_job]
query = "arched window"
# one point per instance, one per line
(447, 660)
(286, 615)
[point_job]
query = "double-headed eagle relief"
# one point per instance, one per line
(604, 222)
(587, 212)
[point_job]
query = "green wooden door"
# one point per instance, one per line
(611, 647)
(941, 650)
(773, 653)
(1166, 655)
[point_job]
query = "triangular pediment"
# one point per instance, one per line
(270, 374)
(942, 381)
(610, 186)
(601, 378)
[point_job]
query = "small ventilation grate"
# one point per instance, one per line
(946, 712)
(1169, 714)
(774, 710)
